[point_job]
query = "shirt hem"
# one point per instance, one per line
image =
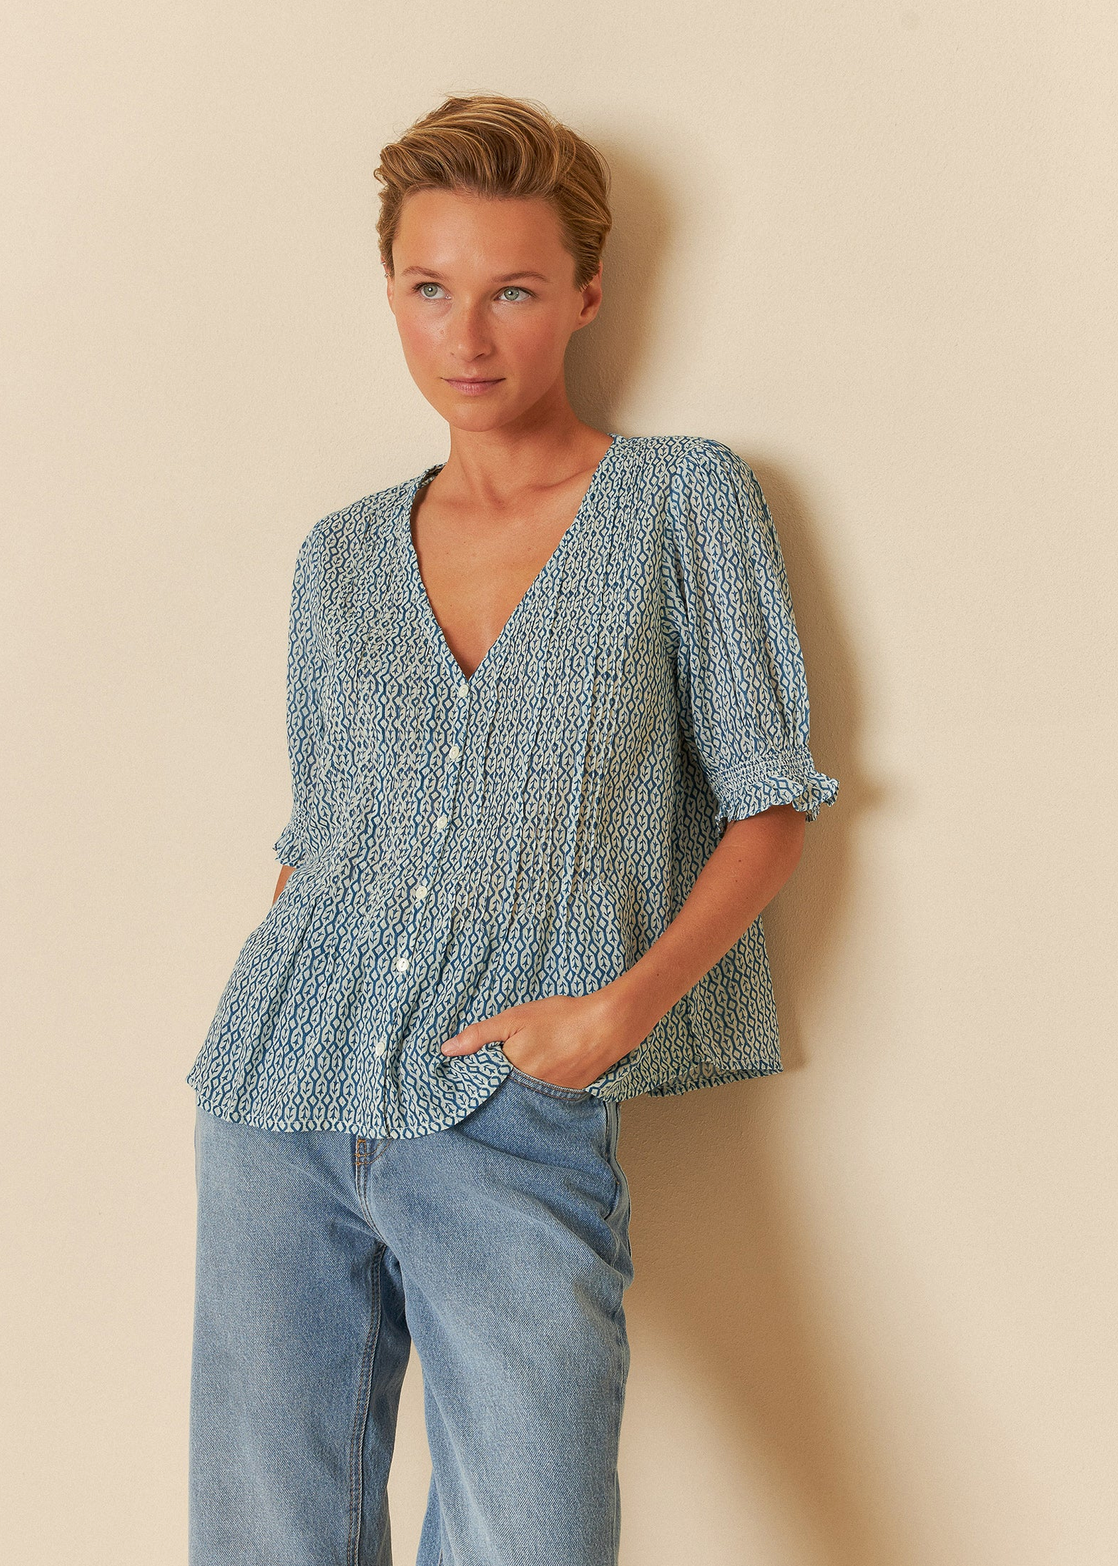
(212, 1101)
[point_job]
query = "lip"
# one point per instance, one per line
(472, 385)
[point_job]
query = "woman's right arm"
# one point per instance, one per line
(285, 871)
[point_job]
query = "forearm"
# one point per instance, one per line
(744, 873)
(285, 871)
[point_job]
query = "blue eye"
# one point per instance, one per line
(512, 294)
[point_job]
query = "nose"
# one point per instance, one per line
(468, 332)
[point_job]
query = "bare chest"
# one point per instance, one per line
(476, 568)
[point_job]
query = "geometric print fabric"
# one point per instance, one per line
(462, 846)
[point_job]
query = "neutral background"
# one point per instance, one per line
(869, 245)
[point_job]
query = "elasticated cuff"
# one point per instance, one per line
(773, 777)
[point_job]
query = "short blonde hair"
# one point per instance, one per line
(496, 146)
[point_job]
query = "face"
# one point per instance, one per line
(485, 304)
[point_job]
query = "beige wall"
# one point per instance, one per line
(872, 247)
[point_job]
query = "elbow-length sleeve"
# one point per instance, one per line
(740, 669)
(304, 710)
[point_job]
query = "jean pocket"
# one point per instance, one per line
(621, 1201)
(539, 1085)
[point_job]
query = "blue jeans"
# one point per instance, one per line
(500, 1246)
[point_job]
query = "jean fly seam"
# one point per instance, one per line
(361, 1164)
(361, 1416)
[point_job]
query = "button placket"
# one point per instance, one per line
(402, 962)
(449, 782)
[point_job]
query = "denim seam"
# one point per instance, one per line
(361, 1164)
(618, 1414)
(612, 1128)
(361, 1417)
(549, 1089)
(370, 1148)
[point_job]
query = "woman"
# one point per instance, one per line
(548, 732)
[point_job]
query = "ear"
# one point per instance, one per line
(591, 299)
(390, 287)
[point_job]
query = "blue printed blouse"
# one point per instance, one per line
(463, 846)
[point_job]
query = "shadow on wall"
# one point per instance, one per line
(715, 1236)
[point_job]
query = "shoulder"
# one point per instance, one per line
(689, 464)
(352, 538)
(701, 488)
(339, 533)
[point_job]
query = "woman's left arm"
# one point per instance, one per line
(571, 1040)
(753, 860)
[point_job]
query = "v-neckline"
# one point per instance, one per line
(416, 575)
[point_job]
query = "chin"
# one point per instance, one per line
(477, 420)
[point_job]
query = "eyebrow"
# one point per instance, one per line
(510, 277)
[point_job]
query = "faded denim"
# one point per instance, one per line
(500, 1246)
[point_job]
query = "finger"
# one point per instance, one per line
(490, 1030)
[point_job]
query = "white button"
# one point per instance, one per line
(401, 963)
(440, 823)
(419, 892)
(379, 1047)
(463, 688)
(455, 752)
